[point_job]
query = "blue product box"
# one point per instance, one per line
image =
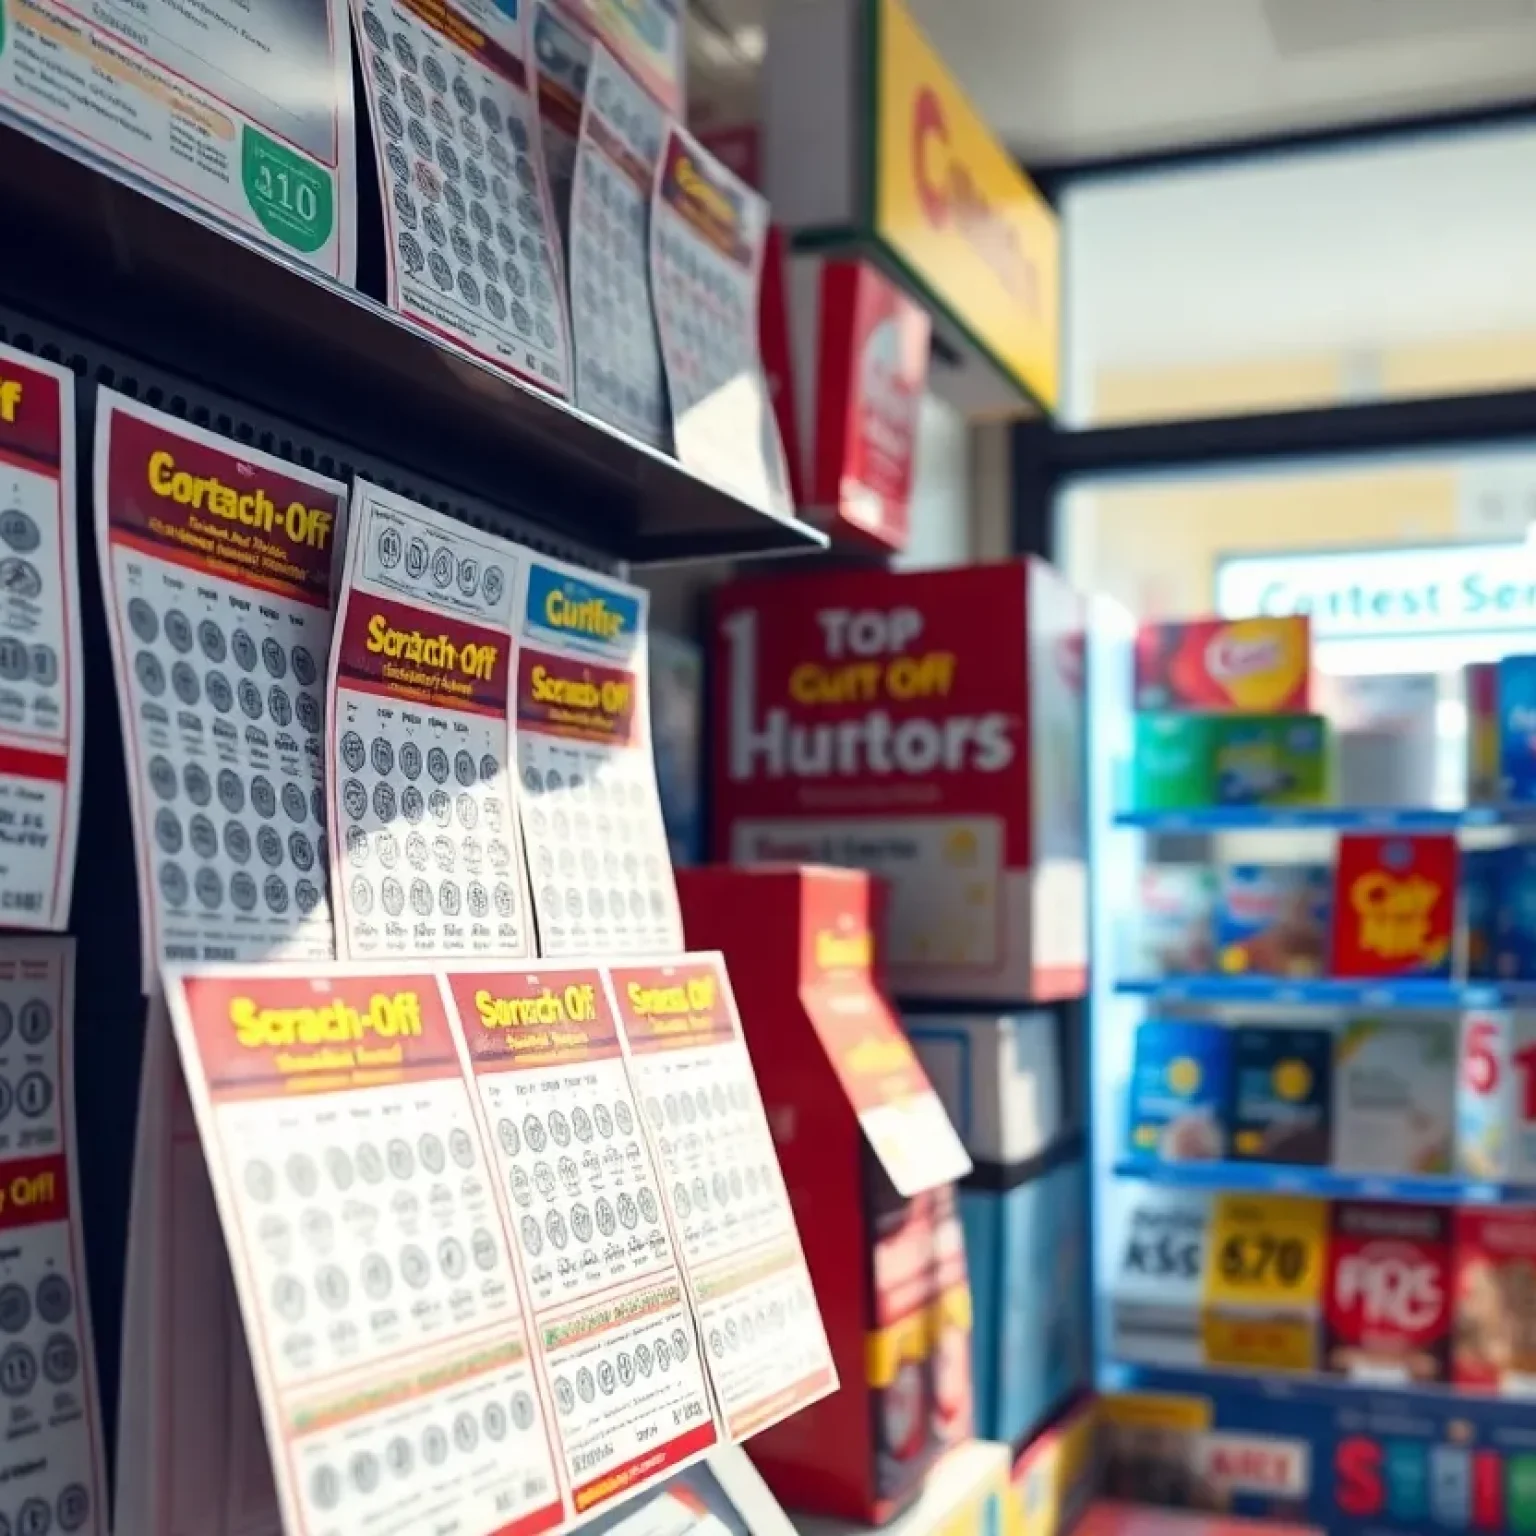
(1027, 1251)
(1181, 1083)
(1482, 874)
(1514, 957)
(1282, 1095)
(1517, 728)
(1274, 919)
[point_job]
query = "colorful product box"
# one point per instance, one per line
(1496, 1097)
(1247, 666)
(1185, 762)
(1157, 1241)
(1482, 881)
(863, 1142)
(1394, 1095)
(1174, 920)
(1387, 1308)
(999, 1078)
(1495, 1301)
(929, 727)
(1517, 728)
(1394, 905)
(1028, 1252)
(1481, 680)
(1282, 1095)
(1180, 1088)
(1274, 919)
(1514, 922)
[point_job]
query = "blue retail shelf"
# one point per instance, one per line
(1326, 1183)
(1337, 818)
(1329, 992)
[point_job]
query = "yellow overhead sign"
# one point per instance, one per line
(952, 206)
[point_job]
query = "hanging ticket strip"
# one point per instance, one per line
(52, 1473)
(423, 829)
(41, 689)
(562, 55)
(468, 220)
(599, 866)
(647, 37)
(618, 356)
(216, 570)
(708, 230)
(250, 124)
(453, 1256)
(767, 1351)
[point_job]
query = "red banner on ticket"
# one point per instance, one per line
(33, 1190)
(514, 1020)
(393, 648)
(30, 418)
(675, 1007)
(561, 696)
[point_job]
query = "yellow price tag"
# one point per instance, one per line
(1266, 1253)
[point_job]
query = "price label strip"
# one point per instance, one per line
(708, 230)
(216, 569)
(423, 830)
(599, 865)
(53, 1472)
(392, 1360)
(469, 227)
(252, 125)
(1264, 1279)
(765, 1346)
(41, 688)
(610, 1314)
(562, 54)
(619, 376)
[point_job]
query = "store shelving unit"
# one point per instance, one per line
(1325, 1183)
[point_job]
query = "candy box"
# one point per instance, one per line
(1180, 1086)
(1514, 922)
(1174, 920)
(1273, 919)
(1394, 1091)
(1174, 766)
(1251, 666)
(1494, 1342)
(1496, 1097)
(1270, 759)
(1482, 878)
(1517, 728)
(1282, 1095)
(1387, 1303)
(1394, 905)
(1482, 700)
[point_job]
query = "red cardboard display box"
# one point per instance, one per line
(863, 1143)
(1394, 905)
(927, 727)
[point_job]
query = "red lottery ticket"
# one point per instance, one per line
(40, 661)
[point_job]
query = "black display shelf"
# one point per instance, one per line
(96, 255)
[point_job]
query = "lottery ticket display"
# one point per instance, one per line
(216, 571)
(423, 829)
(765, 1347)
(618, 358)
(610, 1313)
(386, 1330)
(468, 221)
(708, 230)
(53, 1474)
(598, 860)
(41, 689)
(249, 123)
(562, 54)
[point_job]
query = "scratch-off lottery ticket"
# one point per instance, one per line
(424, 830)
(41, 688)
(599, 868)
(369, 1253)
(610, 1313)
(562, 54)
(708, 230)
(618, 357)
(470, 232)
(765, 1346)
(52, 1471)
(216, 570)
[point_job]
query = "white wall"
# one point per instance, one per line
(1360, 269)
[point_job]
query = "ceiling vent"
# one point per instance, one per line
(1302, 27)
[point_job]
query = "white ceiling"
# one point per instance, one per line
(1064, 80)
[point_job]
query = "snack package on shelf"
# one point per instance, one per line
(1274, 920)
(1175, 921)
(1394, 905)
(1514, 918)
(1157, 1240)
(1516, 705)
(1494, 1341)
(1394, 1095)
(1481, 691)
(1496, 1097)
(1180, 1092)
(1282, 1095)
(1480, 896)
(1188, 762)
(1245, 666)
